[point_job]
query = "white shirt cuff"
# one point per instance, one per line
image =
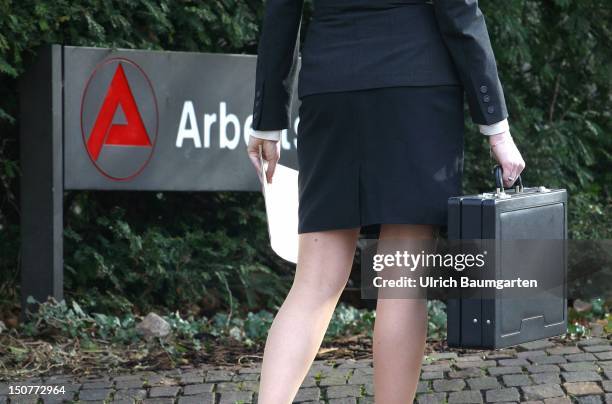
(267, 134)
(496, 128)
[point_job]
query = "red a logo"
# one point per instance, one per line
(105, 132)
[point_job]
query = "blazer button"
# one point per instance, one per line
(483, 89)
(486, 98)
(256, 102)
(491, 109)
(258, 93)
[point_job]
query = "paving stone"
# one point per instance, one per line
(436, 368)
(195, 378)
(558, 400)
(348, 364)
(170, 373)
(129, 384)
(607, 386)
(94, 379)
(476, 364)
(219, 376)
(588, 376)
(161, 400)
(137, 394)
(543, 369)
(62, 398)
(230, 397)
(160, 380)
(345, 400)
(516, 380)
(202, 388)
(465, 373)
(369, 389)
(227, 386)
(465, 397)
(208, 398)
(531, 354)
(448, 385)
(245, 377)
(581, 357)
(592, 342)
(359, 377)
(548, 360)
(604, 356)
(483, 383)
(432, 398)
(164, 391)
(542, 391)
(422, 387)
(608, 374)
(333, 379)
(598, 348)
(504, 370)
(605, 364)
(582, 388)
(564, 350)
(94, 394)
(545, 378)
(343, 391)
(514, 362)
(502, 395)
(69, 387)
(589, 400)
(579, 366)
(366, 369)
(469, 358)
(432, 375)
(535, 345)
(308, 394)
(23, 399)
(608, 398)
(255, 369)
(97, 385)
(532, 402)
(124, 378)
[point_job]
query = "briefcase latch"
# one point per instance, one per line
(501, 194)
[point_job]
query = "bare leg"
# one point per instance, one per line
(324, 264)
(400, 332)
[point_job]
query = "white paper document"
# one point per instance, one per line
(281, 198)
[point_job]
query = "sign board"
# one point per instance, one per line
(116, 119)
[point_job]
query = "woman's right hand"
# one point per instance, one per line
(270, 150)
(508, 156)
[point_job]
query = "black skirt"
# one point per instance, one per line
(379, 155)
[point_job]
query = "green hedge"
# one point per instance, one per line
(187, 250)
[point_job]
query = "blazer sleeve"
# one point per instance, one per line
(464, 31)
(277, 56)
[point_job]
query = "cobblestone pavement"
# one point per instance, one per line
(539, 372)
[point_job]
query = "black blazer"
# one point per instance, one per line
(356, 44)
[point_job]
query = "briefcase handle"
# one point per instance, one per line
(499, 183)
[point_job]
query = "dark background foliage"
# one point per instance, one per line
(203, 251)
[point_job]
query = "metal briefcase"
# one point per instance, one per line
(521, 213)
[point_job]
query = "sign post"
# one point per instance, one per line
(102, 119)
